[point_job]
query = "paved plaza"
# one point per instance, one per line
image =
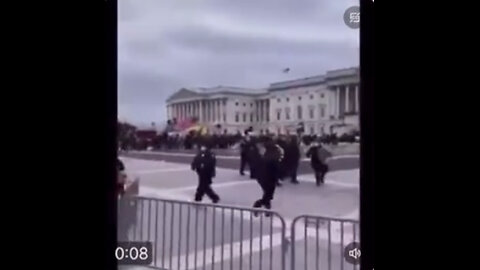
(258, 243)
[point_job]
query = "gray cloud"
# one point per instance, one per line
(168, 44)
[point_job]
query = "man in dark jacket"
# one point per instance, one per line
(268, 173)
(245, 153)
(281, 142)
(204, 164)
(318, 157)
(293, 155)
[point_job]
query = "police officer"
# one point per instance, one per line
(204, 164)
(268, 173)
(318, 156)
(293, 154)
(245, 148)
(281, 147)
(254, 157)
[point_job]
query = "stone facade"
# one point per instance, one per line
(325, 104)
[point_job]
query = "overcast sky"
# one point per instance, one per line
(164, 45)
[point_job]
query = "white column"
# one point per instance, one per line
(260, 111)
(266, 111)
(224, 110)
(347, 98)
(220, 105)
(217, 110)
(180, 109)
(201, 116)
(205, 110)
(357, 104)
(263, 108)
(337, 102)
(184, 111)
(214, 111)
(209, 111)
(196, 109)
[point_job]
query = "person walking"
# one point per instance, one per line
(318, 156)
(245, 145)
(267, 173)
(293, 154)
(204, 163)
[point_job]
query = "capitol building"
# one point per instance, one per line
(325, 104)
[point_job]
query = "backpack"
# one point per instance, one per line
(323, 154)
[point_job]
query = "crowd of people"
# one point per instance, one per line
(192, 140)
(269, 160)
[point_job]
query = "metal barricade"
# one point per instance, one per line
(322, 241)
(189, 235)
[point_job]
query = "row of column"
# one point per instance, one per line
(262, 110)
(346, 100)
(205, 110)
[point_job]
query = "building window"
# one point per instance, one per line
(299, 112)
(322, 95)
(312, 112)
(279, 112)
(311, 96)
(312, 130)
(258, 118)
(224, 117)
(288, 99)
(244, 117)
(278, 100)
(224, 102)
(251, 117)
(236, 103)
(251, 104)
(287, 113)
(244, 104)
(322, 110)
(300, 98)
(237, 116)
(268, 119)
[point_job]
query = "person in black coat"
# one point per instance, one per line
(246, 146)
(204, 164)
(293, 155)
(318, 161)
(254, 158)
(282, 143)
(267, 173)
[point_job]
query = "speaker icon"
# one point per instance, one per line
(355, 253)
(352, 253)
